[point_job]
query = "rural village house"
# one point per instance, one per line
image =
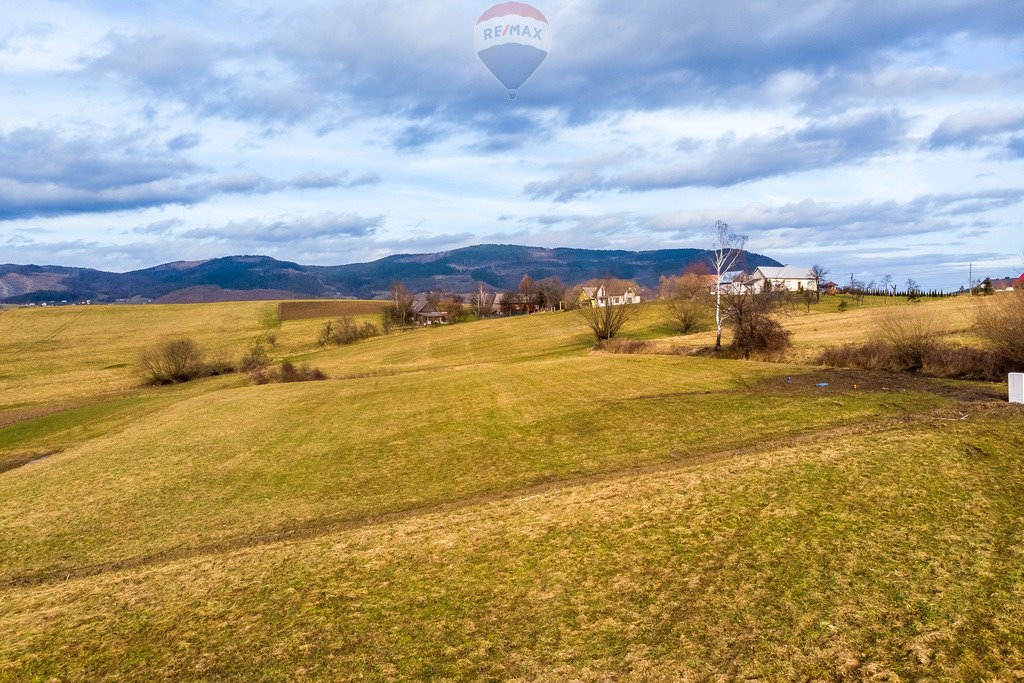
(604, 295)
(512, 303)
(788, 278)
(425, 313)
(1009, 284)
(733, 282)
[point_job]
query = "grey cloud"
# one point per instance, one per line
(812, 222)
(184, 141)
(1016, 147)
(405, 61)
(976, 127)
(391, 58)
(160, 227)
(729, 161)
(189, 69)
(323, 226)
(45, 173)
(800, 223)
(257, 184)
(94, 163)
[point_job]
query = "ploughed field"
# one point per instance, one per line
(497, 500)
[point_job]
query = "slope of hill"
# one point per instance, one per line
(451, 505)
(499, 266)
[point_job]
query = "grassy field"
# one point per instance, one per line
(496, 500)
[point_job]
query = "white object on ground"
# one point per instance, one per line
(1017, 387)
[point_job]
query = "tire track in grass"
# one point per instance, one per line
(303, 530)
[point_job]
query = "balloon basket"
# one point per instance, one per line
(513, 95)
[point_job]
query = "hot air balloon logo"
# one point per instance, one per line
(512, 39)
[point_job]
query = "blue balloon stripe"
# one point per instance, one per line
(512, 64)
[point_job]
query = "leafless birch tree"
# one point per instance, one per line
(727, 250)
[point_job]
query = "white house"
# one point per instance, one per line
(601, 296)
(788, 278)
(734, 281)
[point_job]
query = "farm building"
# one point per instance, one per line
(425, 313)
(788, 278)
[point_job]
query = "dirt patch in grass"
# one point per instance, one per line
(13, 417)
(836, 381)
(13, 462)
(845, 381)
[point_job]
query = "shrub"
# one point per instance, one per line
(909, 337)
(843, 306)
(256, 357)
(755, 328)
(939, 360)
(963, 362)
(176, 361)
(346, 330)
(625, 346)
(908, 341)
(1000, 324)
(288, 372)
(606, 321)
(761, 335)
(688, 314)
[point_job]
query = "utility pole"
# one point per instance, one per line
(970, 280)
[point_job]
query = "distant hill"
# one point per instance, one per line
(235, 278)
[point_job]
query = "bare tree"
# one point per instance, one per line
(482, 302)
(819, 273)
(913, 290)
(809, 298)
(756, 330)
(606, 320)
(550, 293)
(858, 289)
(887, 283)
(727, 249)
(689, 303)
(173, 361)
(402, 301)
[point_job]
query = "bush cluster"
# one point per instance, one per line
(255, 358)
(287, 372)
(909, 342)
(178, 360)
(756, 330)
(345, 330)
(760, 335)
(1001, 326)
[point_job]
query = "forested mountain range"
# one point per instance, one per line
(261, 277)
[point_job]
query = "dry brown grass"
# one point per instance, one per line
(890, 556)
(1001, 326)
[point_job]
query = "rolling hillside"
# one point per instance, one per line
(225, 279)
(497, 500)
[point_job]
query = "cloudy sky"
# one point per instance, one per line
(875, 136)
